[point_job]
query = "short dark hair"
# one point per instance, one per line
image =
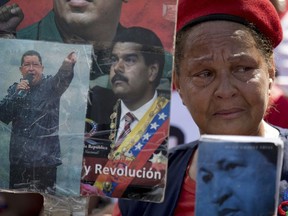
(152, 47)
(31, 53)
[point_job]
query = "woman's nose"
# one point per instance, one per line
(225, 88)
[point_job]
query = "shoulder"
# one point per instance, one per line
(32, 31)
(12, 88)
(47, 77)
(183, 148)
(284, 174)
(29, 32)
(180, 155)
(45, 29)
(283, 132)
(46, 80)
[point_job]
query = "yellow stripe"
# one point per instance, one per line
(140, 128)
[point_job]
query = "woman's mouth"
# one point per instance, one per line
(228, 113)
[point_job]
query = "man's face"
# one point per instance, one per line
(85, 12)
(232, 182)
(32, 65)
(224, 79)
(129, 74)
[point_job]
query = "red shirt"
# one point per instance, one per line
(186, 202)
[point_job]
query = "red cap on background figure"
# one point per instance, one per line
(261, 13)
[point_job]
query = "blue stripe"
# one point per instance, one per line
(135, 150)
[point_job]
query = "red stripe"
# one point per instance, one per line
(155, 141)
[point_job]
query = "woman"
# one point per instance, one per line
(224, 70)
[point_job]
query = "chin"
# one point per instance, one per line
(74, 18)
(228, 131)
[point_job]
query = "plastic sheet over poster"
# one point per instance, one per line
(87, 118)
(27, 145)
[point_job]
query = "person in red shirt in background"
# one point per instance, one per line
(278, 112)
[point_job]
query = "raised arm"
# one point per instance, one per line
(65, 73)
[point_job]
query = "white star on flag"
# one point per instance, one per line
(154, 126)
(162, 116)
(158, 158)
(138, 146)
(146, 136)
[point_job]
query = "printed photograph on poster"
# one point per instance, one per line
(56, 21)
(231, 177)
(128, 158)
(43, 99)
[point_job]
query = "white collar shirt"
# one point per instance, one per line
(138, 114)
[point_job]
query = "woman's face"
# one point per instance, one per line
(224, 79)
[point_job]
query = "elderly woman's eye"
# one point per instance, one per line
(243, 69)
(202, 78)
(204, 74)
(244, 73)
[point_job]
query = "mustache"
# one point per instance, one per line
(118, 77)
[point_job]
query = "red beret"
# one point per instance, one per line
(261, 13)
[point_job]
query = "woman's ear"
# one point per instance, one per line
(271, 68)
(271, 72)
(176, 81)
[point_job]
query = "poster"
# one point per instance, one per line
(231, 176)
(46, 24)
(136, 168)
(54, 128)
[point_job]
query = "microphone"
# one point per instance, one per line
(22, 93)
